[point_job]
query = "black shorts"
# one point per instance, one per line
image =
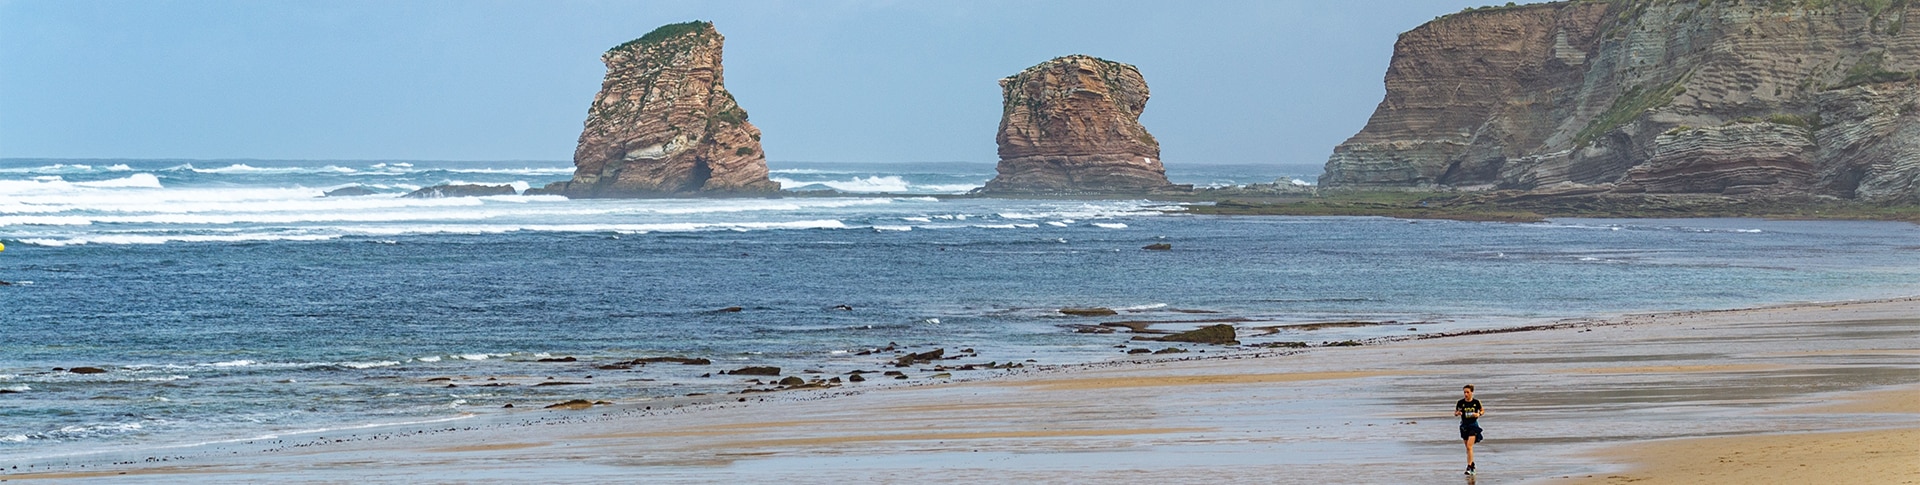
(1471, 431)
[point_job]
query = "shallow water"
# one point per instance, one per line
(230, 302)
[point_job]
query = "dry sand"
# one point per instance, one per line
(1857, 457)
(1675, 397)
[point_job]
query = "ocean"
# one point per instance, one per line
(227, 300)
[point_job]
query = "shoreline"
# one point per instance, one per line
(1117, 413)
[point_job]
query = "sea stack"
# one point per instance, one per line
(664, 125)
(1072, 125)
(1789, 99)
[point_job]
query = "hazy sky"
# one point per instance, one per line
(1265, 82)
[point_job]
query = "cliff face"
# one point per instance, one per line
(1072, 124)
(1717, 96)
(663, 123)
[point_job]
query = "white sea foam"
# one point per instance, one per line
(161, 239)
(892, 228)
(472, 356)
(369, 365)
(241, 168)
(50, 211)
(890, 183)
(761, 205)
(430, 358)
(138, 180)
(75, 432)
(615, 228)
(44, 221)
(343, 428)
(58, 168)
(806, 171)
(1110, 225)
(1145, 307)
(17, 388)
(876, 184)
(1057, 223)
(56, 184)
(515, 171)
(230, 364)
(945, 188)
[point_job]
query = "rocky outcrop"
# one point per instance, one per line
(349, 191)
(1072, 125)
(664, 124)
(460, 190)
(1222, 334)
(1723, 97)
(1734, 159)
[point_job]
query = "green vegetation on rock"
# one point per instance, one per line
(733, 115)
(665, 32)
(1628, 107)
(1869, 71)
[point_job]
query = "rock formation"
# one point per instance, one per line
(349, 191)
(457, 190)
(664, 124)
(1790, 97)
(1072, 124)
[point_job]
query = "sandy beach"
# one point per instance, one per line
(1789, 393)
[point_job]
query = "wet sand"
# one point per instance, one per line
(1658, 398)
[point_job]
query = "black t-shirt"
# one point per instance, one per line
(1466, 409)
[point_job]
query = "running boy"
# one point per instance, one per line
(1469, 411)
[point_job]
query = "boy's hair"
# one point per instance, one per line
(1469, 387)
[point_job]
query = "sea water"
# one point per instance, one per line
(229, 300)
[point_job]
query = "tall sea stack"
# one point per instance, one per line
(1072, 125)
(664, 125)
(1791, 98)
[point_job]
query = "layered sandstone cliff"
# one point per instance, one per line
(1655, 96)
(1072, 125)
(664, 124)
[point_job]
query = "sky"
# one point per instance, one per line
(1275, 82)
